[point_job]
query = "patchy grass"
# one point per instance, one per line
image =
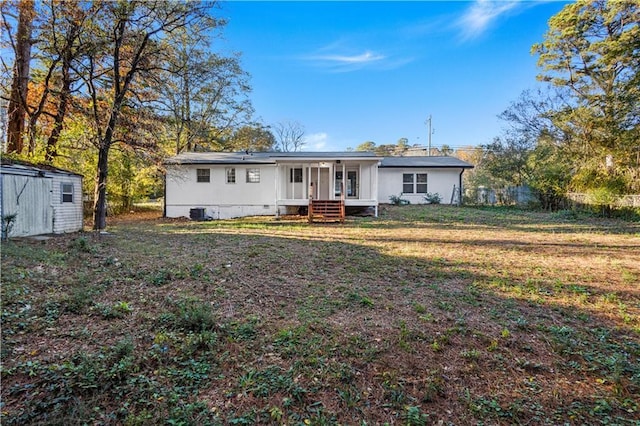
(426, 314)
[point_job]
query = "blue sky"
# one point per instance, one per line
(351, 72)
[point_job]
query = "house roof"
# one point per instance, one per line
(274, 157)
(425, 161)
(265, 157)
(219, 158)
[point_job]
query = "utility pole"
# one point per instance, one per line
(428, 122)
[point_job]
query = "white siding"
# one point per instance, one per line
(67, 217)
(221, 200)
(440, 181)
(30, 198)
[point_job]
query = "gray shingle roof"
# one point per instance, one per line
(219, 158)
(424, 161)
(263, 157)
(273, 157)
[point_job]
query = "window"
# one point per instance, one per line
(414, 183)
(204, 175)
(407, 183)
(231, 175)
(253, 175)
(67, 192)
(421, 183)
(295, 175)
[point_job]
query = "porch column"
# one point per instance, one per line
(359, 182)
(343, 187)
(332, 182)
(317, 188)
(277, 179)
(375, 186)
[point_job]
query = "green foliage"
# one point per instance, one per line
(582, 134)
(116, 310)
(192, 315)
(414, 417)
(252, 138)
(8, 221)
(397, 200)
(432, 198)
(551, 174)
(366, 146)
(589, 55)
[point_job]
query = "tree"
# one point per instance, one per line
(203, 95)
(255, 138)
(65, 31)
(366, 146)
(55, 30)
(446, 150)
(591, 55)
(128, 41)
(506, 161)
(94, 83)
(550, 173)
(289, 135)
(17, 107)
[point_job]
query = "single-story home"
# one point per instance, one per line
(223, 185)
(44, 199)
(413, 177)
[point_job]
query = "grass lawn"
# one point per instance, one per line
(425, 315)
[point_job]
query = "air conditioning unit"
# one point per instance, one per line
(197, 214)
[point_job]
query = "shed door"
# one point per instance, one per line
(30, 198)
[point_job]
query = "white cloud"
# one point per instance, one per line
(331, 59)
(481, 14)
(362, 58)
(316, 141)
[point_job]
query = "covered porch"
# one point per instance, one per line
(300, 182)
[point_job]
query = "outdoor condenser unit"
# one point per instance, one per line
(197, 214)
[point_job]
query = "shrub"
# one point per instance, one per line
(432, 198)
(397, 200)
(7, 224)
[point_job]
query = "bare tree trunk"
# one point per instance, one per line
(100, 203)
(67, 55)
(19, 86)
(58, 119)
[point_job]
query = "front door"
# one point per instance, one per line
(352, 183)
(320, 180)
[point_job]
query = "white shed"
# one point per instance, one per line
(45, 199)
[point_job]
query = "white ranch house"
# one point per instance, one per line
(227, 185)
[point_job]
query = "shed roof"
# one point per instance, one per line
(425, 161)
(10, 166)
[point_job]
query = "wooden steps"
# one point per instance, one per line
(326, 211)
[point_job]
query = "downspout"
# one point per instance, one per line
(164, 195)
(460, 187)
